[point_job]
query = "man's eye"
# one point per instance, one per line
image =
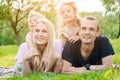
(92, 29)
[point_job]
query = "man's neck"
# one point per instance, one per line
(87, 47)
(86, 50)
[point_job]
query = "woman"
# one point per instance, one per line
(32, 19)
(42, 58)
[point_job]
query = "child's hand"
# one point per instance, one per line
(73, 39)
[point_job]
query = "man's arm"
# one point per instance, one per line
(66, 64)
(69, 69)
(107, 62)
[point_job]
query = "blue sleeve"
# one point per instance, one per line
(106, 47)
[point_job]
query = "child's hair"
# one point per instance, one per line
(34, 13)
(76, 19)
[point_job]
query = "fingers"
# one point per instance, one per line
(72, 40)
(69, 70)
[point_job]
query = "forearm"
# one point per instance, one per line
(97, 67)
(26, 67)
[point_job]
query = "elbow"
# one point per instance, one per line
(108, 66)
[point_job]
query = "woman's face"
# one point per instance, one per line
(67, 13)
(41, 34)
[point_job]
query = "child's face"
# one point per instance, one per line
(67, 13)
(31, 22)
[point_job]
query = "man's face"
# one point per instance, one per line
(88, 31)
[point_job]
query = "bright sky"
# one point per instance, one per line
(88, 5)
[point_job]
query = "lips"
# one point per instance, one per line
(32, 26)
(40, 38)
(86, 37)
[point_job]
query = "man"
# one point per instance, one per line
(90, 53)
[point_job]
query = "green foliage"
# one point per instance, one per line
(99, 75)
(16, 12)
(8, 16)
(7, 54)
(112, 6)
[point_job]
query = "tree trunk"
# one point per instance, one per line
(17, 33)
(119, 28)
(17, 38)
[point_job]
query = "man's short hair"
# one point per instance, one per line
(93, 18)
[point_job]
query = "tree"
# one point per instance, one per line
(113, 6)
(15, 11)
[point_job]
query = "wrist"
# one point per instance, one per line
(87, 66)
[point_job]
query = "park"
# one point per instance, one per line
(13, 28)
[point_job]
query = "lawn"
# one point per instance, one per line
(7, 54)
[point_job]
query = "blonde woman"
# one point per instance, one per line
(32, 19)
(42, 57)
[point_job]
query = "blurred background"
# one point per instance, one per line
(14, 16)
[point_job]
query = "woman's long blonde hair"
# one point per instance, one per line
(48, 56)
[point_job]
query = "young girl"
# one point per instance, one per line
(70, 22)
(32, 19)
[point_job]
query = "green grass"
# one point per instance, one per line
(7, 54)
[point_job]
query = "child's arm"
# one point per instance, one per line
(29, 40)
(73, 39)
(63, 36)
(76, 37)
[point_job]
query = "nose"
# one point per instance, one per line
(65, 14)
(87, 31)
(39, 33)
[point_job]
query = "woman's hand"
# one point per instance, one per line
(36, 62)
(31, 53)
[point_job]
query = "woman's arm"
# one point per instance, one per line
(26, 69)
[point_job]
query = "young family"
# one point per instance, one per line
(80, 47)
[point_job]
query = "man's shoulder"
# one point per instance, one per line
(102, 39)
